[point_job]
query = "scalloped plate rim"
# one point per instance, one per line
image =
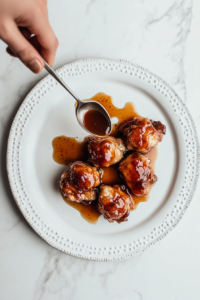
(189, 198)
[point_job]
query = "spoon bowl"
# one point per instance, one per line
(91, 115)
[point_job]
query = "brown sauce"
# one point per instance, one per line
(68, 149)
(96, 122)
(137, 200)
(122, 114)
(110, 175)
(89, 212)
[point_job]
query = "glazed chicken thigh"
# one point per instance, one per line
(80, 182)
(114, 203)
(137, 174)
(105, 151)
(142, 134)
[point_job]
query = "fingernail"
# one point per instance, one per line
(34, 65)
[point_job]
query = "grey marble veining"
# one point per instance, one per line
(143, 32)
(155, 35)
(68, 284)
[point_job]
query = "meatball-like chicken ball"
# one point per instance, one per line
(105, 151)
(138, 174)
(142, 134)
(114, 203)
(80, 182)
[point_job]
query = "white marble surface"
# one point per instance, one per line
(162, 36)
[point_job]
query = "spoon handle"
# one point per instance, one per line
(59, 79)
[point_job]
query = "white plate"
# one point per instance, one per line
(48, 111)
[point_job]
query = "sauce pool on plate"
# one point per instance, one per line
(122, 114)
(68, 149)
(89, 212)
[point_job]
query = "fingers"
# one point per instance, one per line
(34, 20)
(26, 33)
(21, 48)
(10, 52)
(39, 25)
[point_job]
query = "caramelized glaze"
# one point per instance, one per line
(111, 175)
(80, 181)
(152, 155)
(104, 151)
(137, 173)
(114, 203)
(68, 149)
(141, 134)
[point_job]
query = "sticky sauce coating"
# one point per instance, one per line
(68, 149)
(142, 134)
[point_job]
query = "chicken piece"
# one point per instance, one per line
(138, 174)
(80, 182)
(142, 134)
(105, 151)
(114, 203)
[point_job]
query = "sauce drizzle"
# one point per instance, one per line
(68, 149)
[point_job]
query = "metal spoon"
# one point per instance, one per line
(83, 106)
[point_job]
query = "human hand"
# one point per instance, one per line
(19, 21)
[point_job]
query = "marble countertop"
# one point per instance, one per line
(164, 38)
